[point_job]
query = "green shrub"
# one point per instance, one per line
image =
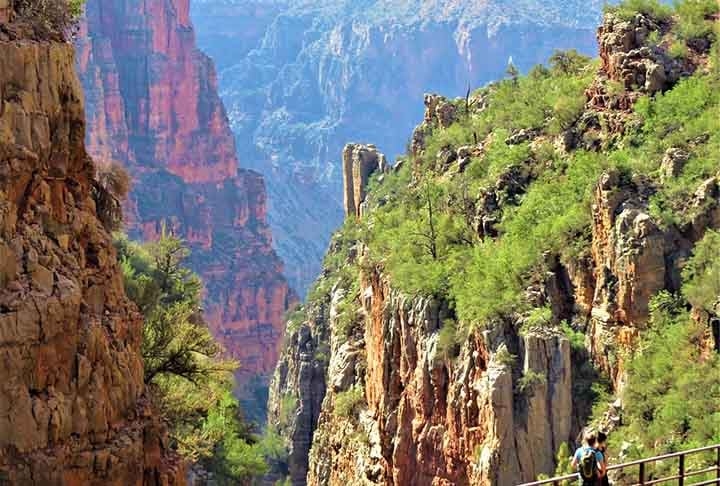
(670, 400)
(678, 50)
(294, 318)
(701, 274)
(695, 19)
(627, 9)
(528, 381)
(349, 402)
(450, 339)
(538, 318)
(576, 338)
(273, 446)
(347, 311)
(569, 62)
(505, 357)
(288, 408)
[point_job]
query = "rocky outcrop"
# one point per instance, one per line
(632, 258)
(298, 388)
(303, 79)
(359, 163)
(72, 399)
(633, 62)
(153, 106)
(482, 417)
(439, 113)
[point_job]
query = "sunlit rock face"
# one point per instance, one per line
(73, 404)
(301, 79)
(152, 104)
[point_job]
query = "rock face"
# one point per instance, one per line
(298, 388)
(359, 163)
(432, 420)
(627, 58)
(72, 399)
(301, 79)
(153, 106)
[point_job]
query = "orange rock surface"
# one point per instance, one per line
(73, 408)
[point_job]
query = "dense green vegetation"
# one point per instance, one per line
(423, 235)
(702, 274)
(426, 236)
(671, 397)
(190, 380)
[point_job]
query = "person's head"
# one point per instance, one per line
(590, 437)
(602, 440)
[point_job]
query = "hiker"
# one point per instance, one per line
(602, 447)
(588, 461)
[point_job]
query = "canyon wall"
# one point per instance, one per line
(73, 405)
(404, 401)
(152, 105)
(302, 79)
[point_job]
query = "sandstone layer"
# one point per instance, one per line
(73, 409)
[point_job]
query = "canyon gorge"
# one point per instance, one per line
(436, 261)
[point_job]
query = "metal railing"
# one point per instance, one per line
(643, 480)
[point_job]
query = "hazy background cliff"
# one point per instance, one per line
(302, 78)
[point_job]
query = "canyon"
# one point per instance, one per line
(152, 106)
(73, 405)
(377, 385)
(301, 79)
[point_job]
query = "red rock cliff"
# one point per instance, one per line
(153, 105)
(72, 400)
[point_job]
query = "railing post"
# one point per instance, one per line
(642, 474)
(717, 472)
(681, 470)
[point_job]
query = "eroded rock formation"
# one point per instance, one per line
(433, 419)
(153, 106)
(72, 399)
(359, 163)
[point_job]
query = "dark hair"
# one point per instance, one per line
(590, 437)
(601, 437)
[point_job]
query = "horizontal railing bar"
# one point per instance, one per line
(716, 447)
(705, 483)
(664, 456)
(658, 481)
(701, 471)
(568, 477)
